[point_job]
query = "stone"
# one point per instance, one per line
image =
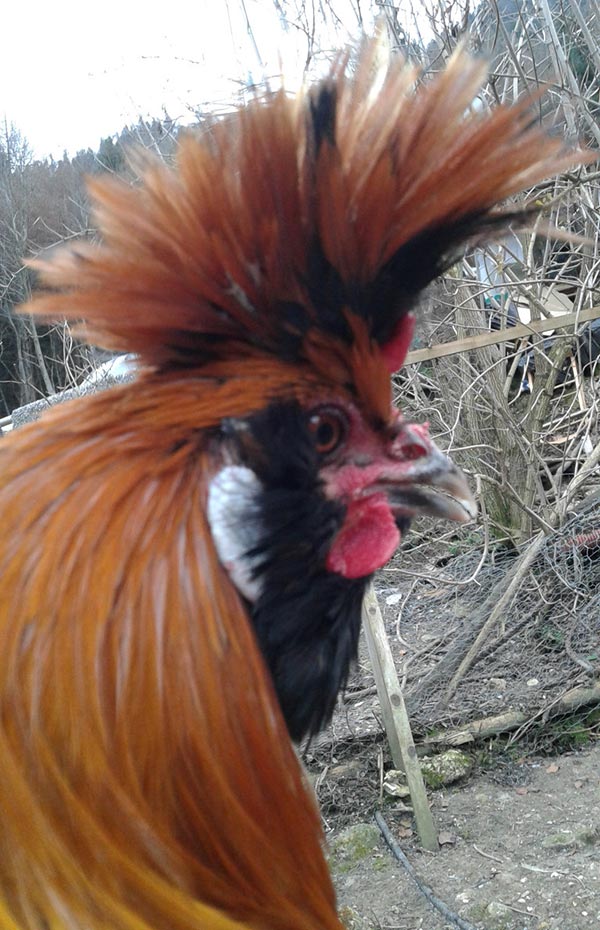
(394, 784)
(352, 920)
(445, 768)
(352, 845)
(577, 838)
(496, 909)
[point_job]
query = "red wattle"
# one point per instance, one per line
(367, 540)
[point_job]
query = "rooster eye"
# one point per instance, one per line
(328, 427)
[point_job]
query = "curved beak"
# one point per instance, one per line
(433, 486)
(417, 478)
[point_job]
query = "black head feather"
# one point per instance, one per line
(307, 619)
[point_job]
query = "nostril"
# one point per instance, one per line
(411, 451)
(411, 443)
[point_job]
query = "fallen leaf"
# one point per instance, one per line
(552, 769)
(445, 838)
(521, 791)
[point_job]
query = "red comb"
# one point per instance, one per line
(395, 349)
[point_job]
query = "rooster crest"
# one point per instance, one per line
(303, 229)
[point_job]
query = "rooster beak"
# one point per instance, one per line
(437, 488)
(431, 485)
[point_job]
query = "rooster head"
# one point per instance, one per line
(274, 273)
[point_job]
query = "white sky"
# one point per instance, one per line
(73, 72)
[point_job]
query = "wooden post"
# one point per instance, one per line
(395, 718)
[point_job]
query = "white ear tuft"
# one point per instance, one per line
(234, 519)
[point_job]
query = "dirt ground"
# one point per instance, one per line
(521, 845)
(520, 834)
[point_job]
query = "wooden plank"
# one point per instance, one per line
(378, 648)
(395, 718)
(492, 338)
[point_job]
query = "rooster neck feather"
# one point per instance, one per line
(146, 785)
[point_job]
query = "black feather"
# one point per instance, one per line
(307, 619)
(398, 285)
(327, 292)
(322, 110)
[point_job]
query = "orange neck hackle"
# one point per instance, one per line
(147, 775)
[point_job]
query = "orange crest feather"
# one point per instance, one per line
(296, 216)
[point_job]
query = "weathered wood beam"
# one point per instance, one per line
(494, 337)
(395, 718)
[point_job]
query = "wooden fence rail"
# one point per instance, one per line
(492, 338)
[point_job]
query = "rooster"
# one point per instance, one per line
(183, 558)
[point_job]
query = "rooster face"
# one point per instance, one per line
(309, 500)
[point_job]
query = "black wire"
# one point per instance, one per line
(425, 890)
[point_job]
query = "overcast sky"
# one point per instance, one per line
(70, 75)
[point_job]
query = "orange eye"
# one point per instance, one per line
(329, 427)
